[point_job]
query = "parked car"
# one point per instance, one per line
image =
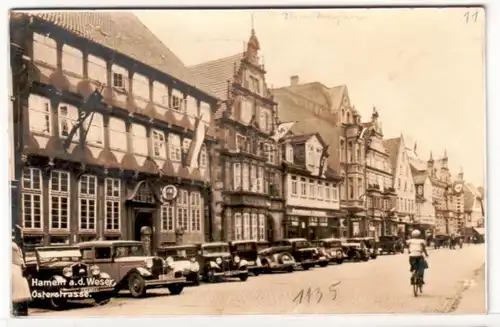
(132, 269)
(390, 245)
(441, 241)
(301, 250)
(332, 248)
(216, 261)
(366, 242)
(185, 258)
(248, 251)
(60, 270)
(276, 258)
(355, 252)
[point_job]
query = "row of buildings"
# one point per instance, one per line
(202, 153)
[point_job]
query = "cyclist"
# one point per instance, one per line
(417, 249)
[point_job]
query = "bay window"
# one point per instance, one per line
(246, 226)
(245, 177)
(255, 227)
(262, 227)
(238, 231)
(237, 176)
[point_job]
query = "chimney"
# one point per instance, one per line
(294, 80)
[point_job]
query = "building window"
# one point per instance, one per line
(237, 176)
(303, 187)
(294, 186)
(260, 180)
(262, 227)
(327, 192)
(182, 210)
(240, 142)
(320, 190)
(351, 188)
(174, 145)
(246, 226)
(335, 195)
(140, 87)
(160, 94)
(253, 178)
(255, 84)
(312, 189)
(118, 81)
(350, 151)
(177, 100)
(167, 217)
(117, 134)
(59, 200)
(44, 49)
(342, 150)
(39, 114)
(289, 154)
(255, 227)
(112, 199)
(158, 144)
(203, 157)
(68, 116)
(360, 187)
(72, 60)
(139, 140)
(32, 198)
(94, 125)
(195, 208)
(87, 202)
(271, 154)
(238, 230)
(245, 176)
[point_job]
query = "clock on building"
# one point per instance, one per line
(458, 188)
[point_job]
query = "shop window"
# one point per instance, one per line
(238, 224)
(246, 226)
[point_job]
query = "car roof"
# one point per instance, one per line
(215, 244)
(108, 243)
(243, 242)
(296, 239)
(56, 247)
(178, 247)
(331, 239)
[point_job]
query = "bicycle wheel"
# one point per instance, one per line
(415, 284)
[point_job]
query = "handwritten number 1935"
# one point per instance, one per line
(471, 17)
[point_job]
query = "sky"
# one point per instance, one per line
(423, 69)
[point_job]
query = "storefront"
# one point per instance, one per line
(312, 224)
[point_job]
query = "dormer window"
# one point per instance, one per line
(289, 154)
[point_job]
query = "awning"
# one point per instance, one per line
(480, 231)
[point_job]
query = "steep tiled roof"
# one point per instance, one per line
(123, 32)
(216, 73)
(336, 95)
(307, 122)
(392, 146)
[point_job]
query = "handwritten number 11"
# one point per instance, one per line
(472, 18)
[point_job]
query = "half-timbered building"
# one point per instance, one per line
(137, 159)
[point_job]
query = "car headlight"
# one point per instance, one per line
(195, 267)
(236, 259)
(170, 261)
(149, 263)
(258, 262)
(94, 270)
(67, 272)
(218, 261)
(339, 254)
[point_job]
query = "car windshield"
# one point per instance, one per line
(215, 249)
(135, 250)
(332, 244)
(245, 247)
(59, 255)
(181, 253)
(354, 240)
(302, 244)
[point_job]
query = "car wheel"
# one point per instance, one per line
(243, 277)
(323, 264)
(256, 273)
(211, 278)
(57, 303)
(136, 285)
(175, 289)
(289, 269)
(305, 267)
(339, 261)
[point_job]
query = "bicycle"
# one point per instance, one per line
(417, 283)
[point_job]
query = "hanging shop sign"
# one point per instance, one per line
(169, 193)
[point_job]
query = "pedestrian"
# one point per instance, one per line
(20, 289)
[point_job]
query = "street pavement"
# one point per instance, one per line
(377, 286)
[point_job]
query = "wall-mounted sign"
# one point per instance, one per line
(169, 193)
(310, 213)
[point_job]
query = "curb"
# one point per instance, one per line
(451, 304)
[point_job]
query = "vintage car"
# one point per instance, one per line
(185, 258)
(247, 250)
(331, 248)
(441, 241)
(355, 252)
(60, 270)
(216, 262)
(276, 258)
(304, 254)
(390, 245)
(133, 270)
(368, 243)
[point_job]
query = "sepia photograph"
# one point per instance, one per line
(257, 161)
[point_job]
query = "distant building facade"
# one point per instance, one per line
(248, 178)
(144, 135)
(425, 215)
(311, 189)
(403, 183)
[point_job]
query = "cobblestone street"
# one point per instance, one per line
(377, 286)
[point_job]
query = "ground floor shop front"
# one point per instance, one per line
(313, 224)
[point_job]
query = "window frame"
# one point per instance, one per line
(32, 192)
(115, 200)
(60, 195)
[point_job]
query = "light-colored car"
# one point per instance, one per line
(132, 270)
(185, 258)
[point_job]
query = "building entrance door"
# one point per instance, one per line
(143, 229)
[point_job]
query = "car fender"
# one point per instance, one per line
(243, 263)
(213, 265)
(143, 271)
